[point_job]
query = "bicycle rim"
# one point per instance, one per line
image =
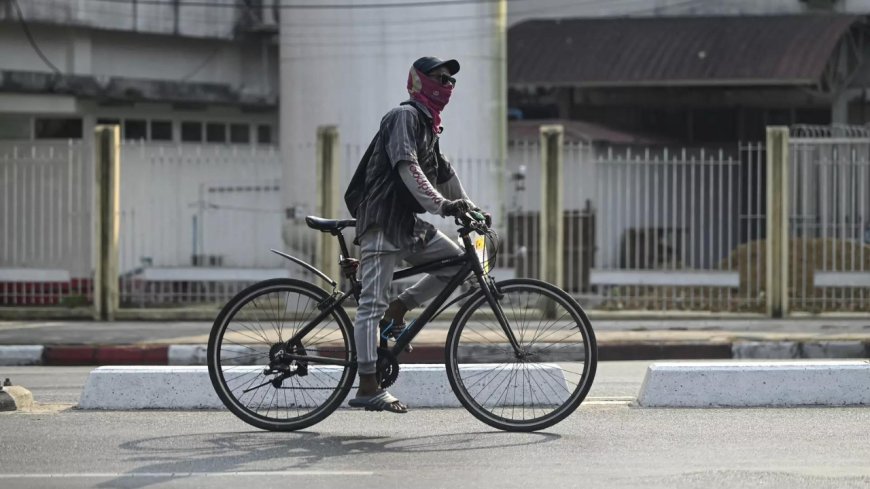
(542, 386)
(248, 335)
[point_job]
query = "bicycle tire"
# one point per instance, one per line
(472, 383)
(244, 354)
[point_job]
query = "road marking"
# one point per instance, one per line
(187, 474)
(608, 400)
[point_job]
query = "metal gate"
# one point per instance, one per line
(829, 219)
(46, 228)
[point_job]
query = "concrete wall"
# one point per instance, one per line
(248, 66)
(183, 199)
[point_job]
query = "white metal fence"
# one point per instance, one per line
(649, 228)
(829, 192)
(645, 228)
(45, 223)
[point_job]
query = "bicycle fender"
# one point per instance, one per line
(307, 266)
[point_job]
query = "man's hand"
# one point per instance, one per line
(487, 217)
(457, 207)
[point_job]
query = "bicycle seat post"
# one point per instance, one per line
(348, 265)
(341, 243)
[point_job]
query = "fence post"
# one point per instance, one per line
(107, 173)
(327, 201)
(777, 252)
(550, 225)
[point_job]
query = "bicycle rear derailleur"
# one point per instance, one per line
(388, 368)
(279, 363)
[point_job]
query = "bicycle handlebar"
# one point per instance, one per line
(472, 221)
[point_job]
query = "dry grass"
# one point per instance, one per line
(749, 260)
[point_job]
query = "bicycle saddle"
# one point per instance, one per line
(328, 225)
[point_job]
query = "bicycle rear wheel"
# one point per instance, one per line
(251, 332)
(542, 384)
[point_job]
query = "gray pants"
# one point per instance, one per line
(378, 259)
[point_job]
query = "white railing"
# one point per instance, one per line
(829, 193)
(648, 228)
(645, 228)
(45, 223)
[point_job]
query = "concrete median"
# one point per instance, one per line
(189, 387)
(757, 384)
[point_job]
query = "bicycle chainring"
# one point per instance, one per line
(388, 368)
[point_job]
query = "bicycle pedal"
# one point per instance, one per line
(389, 334)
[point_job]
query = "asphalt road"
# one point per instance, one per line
(601, 445)
(606, 443)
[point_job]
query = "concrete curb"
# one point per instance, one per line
(189, 387)
(14, 398)
(757, 384)
(21, 355)
(426, 354)
(106, 355)
(800, 349)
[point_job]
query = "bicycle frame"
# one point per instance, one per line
(469, 264)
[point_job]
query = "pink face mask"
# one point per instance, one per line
(430, 93)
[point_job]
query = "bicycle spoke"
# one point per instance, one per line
(524, 391)
(264, 317)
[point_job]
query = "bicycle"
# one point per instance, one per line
(281, 353)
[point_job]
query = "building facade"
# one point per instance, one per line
(164, 72)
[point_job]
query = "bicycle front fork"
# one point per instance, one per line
(493, 295)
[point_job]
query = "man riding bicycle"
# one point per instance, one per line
(404, 175)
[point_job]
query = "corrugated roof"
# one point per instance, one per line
(674, 50)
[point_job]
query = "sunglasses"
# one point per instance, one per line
(447, 79)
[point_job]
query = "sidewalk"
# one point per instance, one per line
(183, 343)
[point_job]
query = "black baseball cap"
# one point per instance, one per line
(428, 63)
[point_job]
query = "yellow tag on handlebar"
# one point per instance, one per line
(479, 243)
(482, 255)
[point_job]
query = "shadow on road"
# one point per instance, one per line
(237, 452)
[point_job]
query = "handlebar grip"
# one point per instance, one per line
(477, 216)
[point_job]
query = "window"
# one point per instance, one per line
(61, 128)
(107, 122)
(264, 134)
(216, 132)
(161, 130)
(135, 129)
(191, 132)
(240, 134)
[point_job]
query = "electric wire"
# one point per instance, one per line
(32, 41)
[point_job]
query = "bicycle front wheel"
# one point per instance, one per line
(249, 338)
(529, 388)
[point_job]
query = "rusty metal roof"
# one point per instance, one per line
(674, 51)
